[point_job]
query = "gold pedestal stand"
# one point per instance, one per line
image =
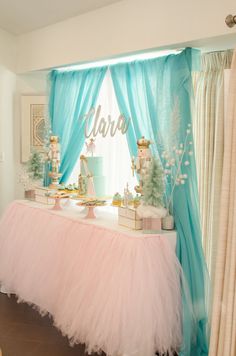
(55, 179)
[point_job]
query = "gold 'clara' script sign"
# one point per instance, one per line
(104, 126)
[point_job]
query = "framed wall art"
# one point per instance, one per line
(33, 114)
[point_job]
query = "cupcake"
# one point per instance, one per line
(61, 186)
(71, 188)
(117, 200)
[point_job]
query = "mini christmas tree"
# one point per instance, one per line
(35, 166)
(153, 189)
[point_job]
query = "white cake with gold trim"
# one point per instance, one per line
(94, 166)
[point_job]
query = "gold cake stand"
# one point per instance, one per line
(91, 207)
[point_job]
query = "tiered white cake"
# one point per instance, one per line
(95, 167)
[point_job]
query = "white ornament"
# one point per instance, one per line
(186, 163)
(188, 131)
(91, 146)
(182, 181)
(190, 153)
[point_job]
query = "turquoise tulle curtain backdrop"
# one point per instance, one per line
(72, 95)
(156, 94)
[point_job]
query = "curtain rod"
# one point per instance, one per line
(121, 59)
(230, 20)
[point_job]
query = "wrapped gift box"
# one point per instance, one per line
(44, 200)
(151, 225)
(128, 217)
(42, 195)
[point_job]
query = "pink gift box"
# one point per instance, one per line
(151, 225)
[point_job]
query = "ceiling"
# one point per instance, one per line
(21, 16)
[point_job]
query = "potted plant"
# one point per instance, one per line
(32, 173)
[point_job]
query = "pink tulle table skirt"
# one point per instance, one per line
(104, 288)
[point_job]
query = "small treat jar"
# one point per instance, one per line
(137, 201)
(130, 199)
(168, 222)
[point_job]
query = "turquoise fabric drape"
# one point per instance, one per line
(148, 91)
(73, 94)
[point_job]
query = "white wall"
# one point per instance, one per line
(34, 83)
(7, 50)
(7, 92)
(7, 173)
(124, 27)
(12, 86)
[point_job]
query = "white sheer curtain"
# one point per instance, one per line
(114, 150)
(209, 142)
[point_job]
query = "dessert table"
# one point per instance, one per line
(104, 285)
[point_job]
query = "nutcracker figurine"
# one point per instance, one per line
(54, 158)
(142, 163)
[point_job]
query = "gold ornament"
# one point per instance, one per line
(143, 143)
(83, 158)
(54, 139)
